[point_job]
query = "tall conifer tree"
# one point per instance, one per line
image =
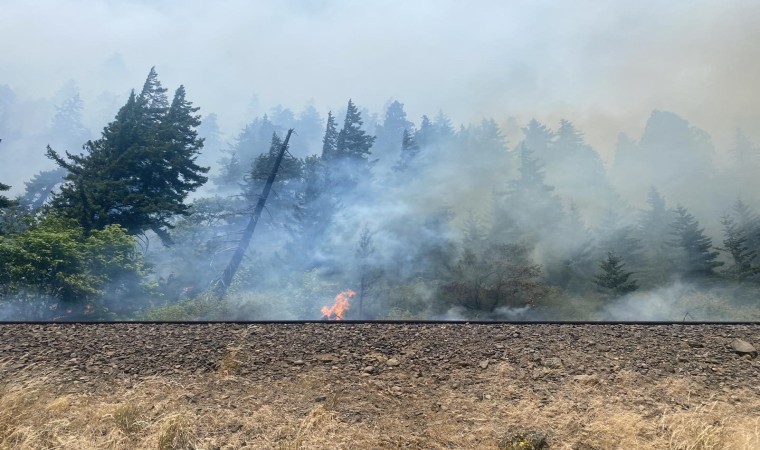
(140, 171)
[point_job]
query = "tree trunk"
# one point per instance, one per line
(223, 283)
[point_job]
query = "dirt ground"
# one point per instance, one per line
(367, 386)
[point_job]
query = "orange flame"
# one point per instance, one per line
(339, 307)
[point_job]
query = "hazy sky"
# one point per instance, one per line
(603, 64)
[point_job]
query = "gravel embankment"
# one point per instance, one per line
(92, 356)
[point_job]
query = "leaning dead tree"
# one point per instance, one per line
(223, 283)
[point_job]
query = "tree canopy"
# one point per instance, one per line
(140, 171)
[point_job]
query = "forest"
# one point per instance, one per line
(418, 219)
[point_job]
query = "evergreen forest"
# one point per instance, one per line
(419, 217)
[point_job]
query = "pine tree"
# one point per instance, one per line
(310, 127)
(5, 202)
(390, 133)
(40, 188)
(619, 237)
(409, 151)
(368, 273)
(614, 278)
(746, 155)
(426, 135)
(475, 237)
(287, 183)
(330, 140)
(538, 138)
(735, 244)
(574, 254)
(315, 210)
(696, 257)
(653, 231)
(67, 128)
(748, 222)
(443, 129)
(140, 171)
(353, 143)
(255, 138)
(529, 206)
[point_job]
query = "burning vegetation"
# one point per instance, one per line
(339, 307)
(425, 220)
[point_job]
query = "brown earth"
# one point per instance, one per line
(216, 386)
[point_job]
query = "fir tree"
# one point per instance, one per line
(409, 151)
(5, 202)
(368, 274)
(614, 278)
(310, 127)
(315, 209)
(529, 207)
(443, 129)
(746, 155)
(40, 188)
(140, 171)
(538, 138)
(67, 128)
(390, 133)
(617, 236)
(330, 140)
(255, 138)
(287, 183)
(426, 134)
(475, 237)
(696, 255)
(748, 223)
(353, 143)
(735, 244)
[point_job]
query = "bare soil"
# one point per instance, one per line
(417, 386)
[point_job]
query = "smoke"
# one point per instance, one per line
(605, 67)
(683, 301)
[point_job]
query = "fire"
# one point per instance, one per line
(339, 307)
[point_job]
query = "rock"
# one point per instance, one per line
(483, 364)
(298, 362)
(326, 358)
(743, 347)
(586, 379)
(525, 441)
(368, 369)
(320, 398)
(552, 363)
(393, 362)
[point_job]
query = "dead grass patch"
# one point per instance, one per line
(357, 412)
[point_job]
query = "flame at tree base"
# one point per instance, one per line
(339, 307)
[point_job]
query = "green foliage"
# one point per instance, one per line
(409, 151)
(306, 295)
(5, 202)
(500, 276)
(408, 301)
(694, 257)
(40, 188)
(353, 143)
(203, 307)
(57, 260)
(142, 168)
(330, 140)
(614, 278)
(735, 244)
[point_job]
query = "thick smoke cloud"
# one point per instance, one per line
(677, 79)
(607, 65)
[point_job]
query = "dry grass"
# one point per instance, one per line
(354, 412)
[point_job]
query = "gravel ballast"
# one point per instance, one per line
(547, 354)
